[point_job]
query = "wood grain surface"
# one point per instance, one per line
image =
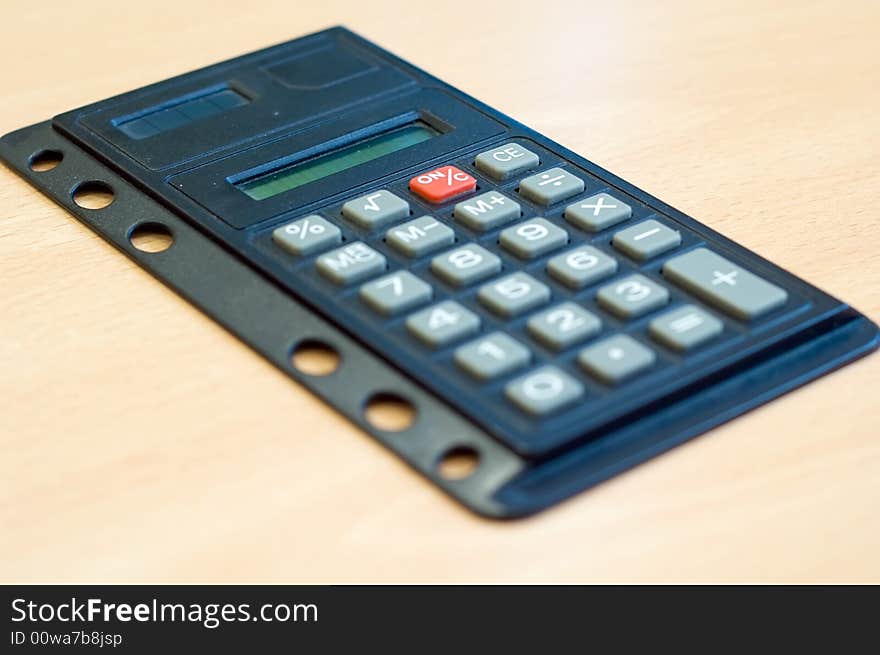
(142, 442)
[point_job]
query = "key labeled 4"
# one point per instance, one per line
(442, 183)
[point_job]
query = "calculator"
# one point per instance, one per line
(542, 317)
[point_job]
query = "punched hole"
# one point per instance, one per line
(389, 412)
(314, 357)
(151, 237)
(458, 463)
(45, 160)
(93, 195)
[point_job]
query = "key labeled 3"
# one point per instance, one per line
(632, 296)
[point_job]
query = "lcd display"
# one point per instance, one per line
(330, 163)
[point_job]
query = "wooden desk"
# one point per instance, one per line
(141, 442)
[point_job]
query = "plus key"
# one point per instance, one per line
(442, 183)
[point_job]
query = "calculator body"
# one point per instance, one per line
(537, 311)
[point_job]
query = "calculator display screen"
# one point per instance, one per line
(335, 161)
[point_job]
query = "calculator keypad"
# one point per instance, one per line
(522, 282)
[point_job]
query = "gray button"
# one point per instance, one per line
(685, 328)
(514, 294)
(350, 263)
(375, 209)
(551, 186)
(533, 238)
(615, 359)
(504, 161)
(724, 284)
(597, 212)
(632, 296)
(581, 266)
(465, 265)
(442, 324)
(419, 236)
(307, 235)
(486, 211)
(563, 326)
(396, 292)
(647, 239)
(545, 390)
(492, 356)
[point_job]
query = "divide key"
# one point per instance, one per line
(722, 283)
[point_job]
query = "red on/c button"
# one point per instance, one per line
(442, 183)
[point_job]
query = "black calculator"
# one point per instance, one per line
(540, 315)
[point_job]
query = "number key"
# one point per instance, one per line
(442, 324)
(632, 296)
(513, 294)
(395, 293)
(563, 326)
(581, 266)
(492, 356)
(543, 391)
(465, 265)
(533, 238)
